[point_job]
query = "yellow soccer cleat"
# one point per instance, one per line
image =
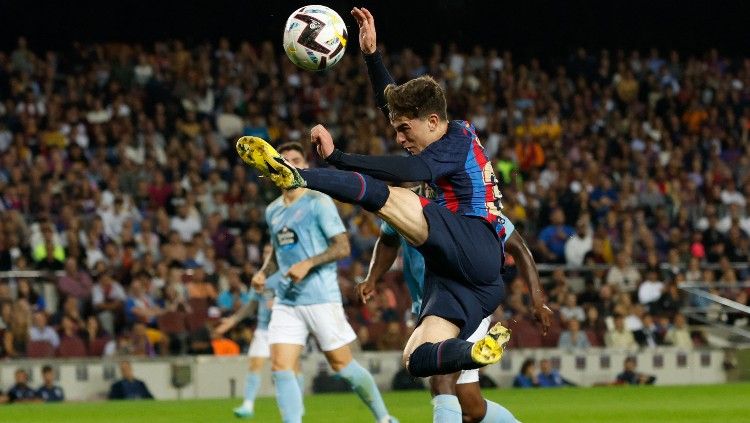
(490, 349)
(259, 154)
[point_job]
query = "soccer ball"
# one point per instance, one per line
(315, 37)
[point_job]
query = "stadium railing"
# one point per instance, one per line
(717, 309)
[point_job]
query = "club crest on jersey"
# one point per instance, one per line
(286, 238)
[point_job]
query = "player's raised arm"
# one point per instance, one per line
(379, 76)
(383, 256)
(516, 247)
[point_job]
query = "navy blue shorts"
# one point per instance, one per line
(463, 259)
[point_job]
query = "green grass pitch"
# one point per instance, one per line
(715, 403)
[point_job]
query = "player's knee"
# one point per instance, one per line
(337, 365)
(278, 365)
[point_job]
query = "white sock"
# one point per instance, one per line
(248, 404)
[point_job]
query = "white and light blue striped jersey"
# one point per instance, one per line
(299, 231)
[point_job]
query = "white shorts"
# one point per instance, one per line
(326, 322)
(259, 346)
(471, 376)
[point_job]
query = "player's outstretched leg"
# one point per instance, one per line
(349, 187)
(398, 206)
(453, 354)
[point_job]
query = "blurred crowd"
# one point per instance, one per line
(118, 170)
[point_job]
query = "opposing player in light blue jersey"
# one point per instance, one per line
(457, 397)
(259, 305)
(308, 237)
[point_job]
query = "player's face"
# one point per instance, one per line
(295, 158)
(414, 134)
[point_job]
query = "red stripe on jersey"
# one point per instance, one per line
(489, 194)
(451, 203)
(423, 201)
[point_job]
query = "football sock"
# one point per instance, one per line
(446, 409)
(349, 187)
(301, 383)
(443, 358)
(364, 385)
(252, 384)
(496, 413)
(288, 396)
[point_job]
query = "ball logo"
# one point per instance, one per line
(310, 33)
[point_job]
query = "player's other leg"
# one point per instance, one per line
(258, 353)
(327, 322)
(439, 345)
(287, 334)
(288, 393)
(252, 385)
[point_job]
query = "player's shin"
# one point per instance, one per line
(349, 187)
(288, 396)
(446, 409)
(364, 385)
(441, 358)
(252, 384)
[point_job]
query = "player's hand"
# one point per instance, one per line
(366, 290)
(322, 140)
(367, 39)
(544, 315)
(224, 326)
(298, 271)
(258, 281)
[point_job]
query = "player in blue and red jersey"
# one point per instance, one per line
(457, 233)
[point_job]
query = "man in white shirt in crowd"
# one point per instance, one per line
(651, 289)
(579, 244)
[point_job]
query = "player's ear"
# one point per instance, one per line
(432, 122)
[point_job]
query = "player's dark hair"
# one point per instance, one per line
(47, 368)
(291, 146)
(417, 98)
